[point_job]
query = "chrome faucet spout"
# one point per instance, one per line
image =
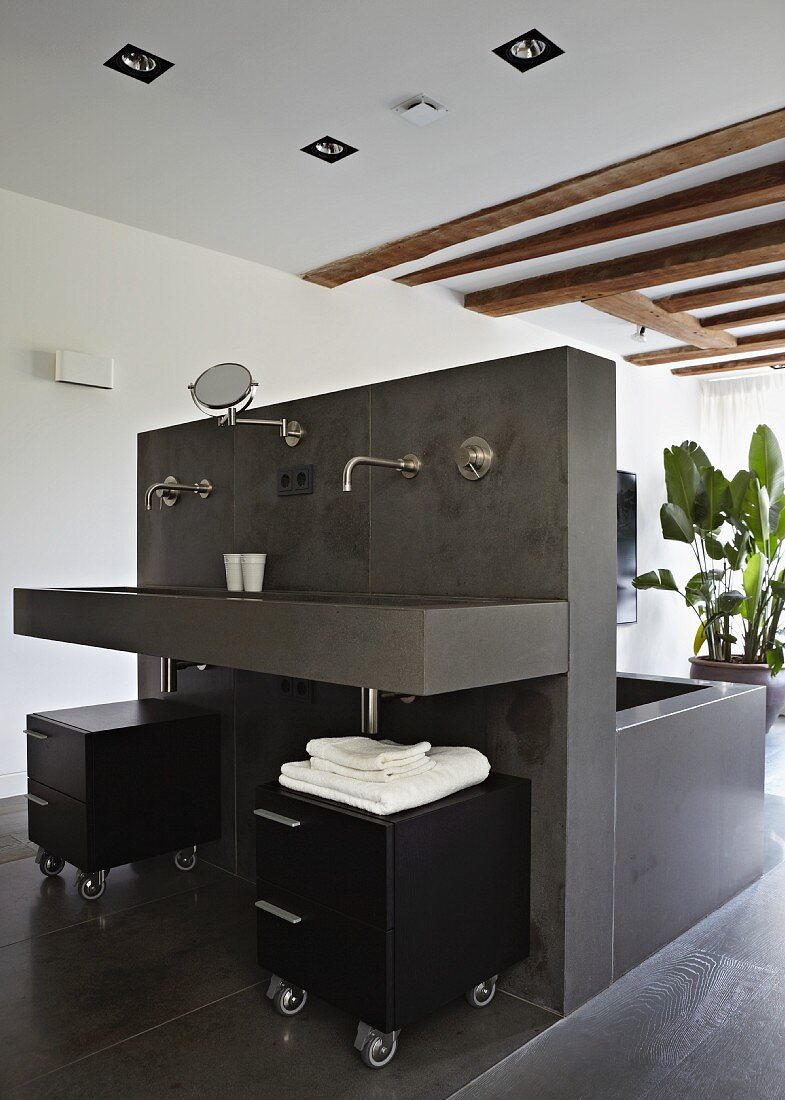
(169, 491)
(409, 466)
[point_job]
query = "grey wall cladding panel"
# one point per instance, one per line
(440, 534)
(526, 735)
(592, 693)
(318, 541)
(689, 820)
(185, 544)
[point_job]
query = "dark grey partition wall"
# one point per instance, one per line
(541, 525)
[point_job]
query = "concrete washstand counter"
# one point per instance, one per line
(405, 644)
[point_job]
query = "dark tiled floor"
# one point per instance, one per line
(13, 830)
(155, 989)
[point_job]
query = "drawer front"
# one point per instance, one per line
(341, 960)
(59, 824)
(337, 859)
(57, 756)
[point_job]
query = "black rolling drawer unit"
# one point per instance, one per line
(391, 917)
(120, 782)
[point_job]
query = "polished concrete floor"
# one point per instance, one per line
(154, 990)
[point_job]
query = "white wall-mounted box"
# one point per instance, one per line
(84, 370)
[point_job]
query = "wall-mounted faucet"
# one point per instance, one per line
(409, 466)
(169, 490)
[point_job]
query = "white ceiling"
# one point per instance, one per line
(209, 153)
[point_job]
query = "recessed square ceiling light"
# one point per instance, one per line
(140, 64)
(329, 149)
(527, 51)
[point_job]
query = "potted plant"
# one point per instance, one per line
(736, 529)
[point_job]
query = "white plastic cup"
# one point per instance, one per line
(253, 571)
(233, 564)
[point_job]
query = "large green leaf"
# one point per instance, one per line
(681, 479)
(737, 492)
(775, 657)
(766, 460)
(676, 526)
(764, 512)
(753, 583)
(714, 547)
(656, 578)
(697, 453)
(711, 499)
(730, 602)
(736, 551)
(756, 511)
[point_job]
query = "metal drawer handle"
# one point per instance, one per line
(292, 822)
(38, 736)
(284, 914)
(38, 801)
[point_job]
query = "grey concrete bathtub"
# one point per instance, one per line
(689, 806)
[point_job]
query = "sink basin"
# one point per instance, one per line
(413, 645)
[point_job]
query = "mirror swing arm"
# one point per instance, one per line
(291, 431)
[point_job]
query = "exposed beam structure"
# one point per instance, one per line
(759, 244)
(747, 190)
(690, 153)
(721, 294)
(730, 365)
(640, 310)
(754, 315)
(761, 341)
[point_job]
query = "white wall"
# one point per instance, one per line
(164, 310)
(653, 411)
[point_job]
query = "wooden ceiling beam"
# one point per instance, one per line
(745, 191)
(730, 365)
(640, 310)
(739, 318)
(715, 145)
(721, 294)
(758, 244)
(761, 341)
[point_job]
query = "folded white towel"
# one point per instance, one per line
(388, 774)
(454, 769)
(366, 753)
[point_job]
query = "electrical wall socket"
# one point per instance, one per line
(295, 481)
(297, 690)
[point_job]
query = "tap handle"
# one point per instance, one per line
(474, 458)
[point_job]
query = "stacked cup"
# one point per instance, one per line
(244, 571)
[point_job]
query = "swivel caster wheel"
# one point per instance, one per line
(185, 859)
(50, 865)
(481, 995)
(91, 884)
(377, 1049)
(287, 999)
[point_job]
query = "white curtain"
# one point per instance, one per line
(730, 411)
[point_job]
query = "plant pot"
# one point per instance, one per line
(736, 672)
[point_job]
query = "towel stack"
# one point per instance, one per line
(383, 777)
